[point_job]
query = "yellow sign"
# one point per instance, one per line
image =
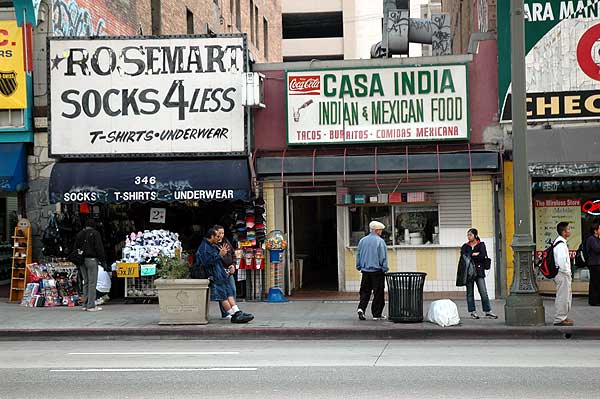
(548, 213)
(13, 92)
(128, 270)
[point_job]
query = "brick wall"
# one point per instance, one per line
(95, 17)
(219, 17)
(465, 16)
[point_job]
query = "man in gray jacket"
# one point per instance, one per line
(371, 261)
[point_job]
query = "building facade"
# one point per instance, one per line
(563, 113)
(326, 178)
(260, 19)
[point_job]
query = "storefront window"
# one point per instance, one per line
(360, 218)
(416, 225)
(421, 224)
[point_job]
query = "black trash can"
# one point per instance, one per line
(405, 296)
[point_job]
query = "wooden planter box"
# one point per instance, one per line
(183, 301)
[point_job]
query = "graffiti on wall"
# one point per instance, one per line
(69, 19)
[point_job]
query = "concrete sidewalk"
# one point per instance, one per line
(292, 320)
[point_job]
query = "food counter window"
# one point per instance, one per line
(360, 217)
(416, 225)
(405, 225)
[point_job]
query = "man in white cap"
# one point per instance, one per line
(371, 261)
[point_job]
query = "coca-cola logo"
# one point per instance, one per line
(304, 85)
(591, 207)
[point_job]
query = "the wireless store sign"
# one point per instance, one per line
(137, 96)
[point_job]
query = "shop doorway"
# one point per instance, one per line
(314, 242)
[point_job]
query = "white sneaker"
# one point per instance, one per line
(99, 301)
(96, 309)
(383, 317)
(361, 314)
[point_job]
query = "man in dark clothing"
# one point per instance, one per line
(593, 262)
(228, 263)
(90, 241)
(210, 258)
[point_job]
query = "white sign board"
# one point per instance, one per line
(138, 96)
(393, 104)
(158, 215)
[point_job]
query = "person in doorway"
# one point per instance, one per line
(210, 257)
(562, 303)
(228, 263)
(371, 261)
(475, 248)
(593, 262)
(90, 241)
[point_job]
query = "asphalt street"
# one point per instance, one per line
(300, 369)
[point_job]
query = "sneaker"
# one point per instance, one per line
(83, 308)
(491, 315)
(96, 309)
(226, 317)
(382, 317)
(241, 317)
(105, 298)
(361, 314)
(565, 322)
(474, 315)
(99, 301)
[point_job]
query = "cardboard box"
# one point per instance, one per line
(341, 192)
(373, 198)
(347, 199)
(360, 199)
(395, 198)
(419, 196)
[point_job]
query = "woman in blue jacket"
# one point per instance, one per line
(475, 248)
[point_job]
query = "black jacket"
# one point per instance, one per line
(90, 241)
(593, 251)
(478, 259)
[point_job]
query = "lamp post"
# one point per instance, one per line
(524, 306)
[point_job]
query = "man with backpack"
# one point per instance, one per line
(562, 280)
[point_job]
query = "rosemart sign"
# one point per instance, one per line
(386, 104)
(176, 95)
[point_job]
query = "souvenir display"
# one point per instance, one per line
(52, 284)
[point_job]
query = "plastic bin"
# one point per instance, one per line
(405, 296)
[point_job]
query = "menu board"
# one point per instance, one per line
(548, 213)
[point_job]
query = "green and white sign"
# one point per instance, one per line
(562, 43)
(393, 104)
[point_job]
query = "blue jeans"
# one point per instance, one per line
(231, 282)
(485, 300)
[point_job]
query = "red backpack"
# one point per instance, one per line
(546, 262)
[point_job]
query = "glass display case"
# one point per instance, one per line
(404, 224)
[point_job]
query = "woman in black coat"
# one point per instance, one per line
(593, 262)
(475, 248)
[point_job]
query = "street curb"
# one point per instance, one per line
(259, 333)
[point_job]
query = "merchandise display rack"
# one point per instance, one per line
(20, 259)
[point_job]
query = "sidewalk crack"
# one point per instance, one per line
(381, 354)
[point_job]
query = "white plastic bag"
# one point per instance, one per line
(104, 283)
(443, 312)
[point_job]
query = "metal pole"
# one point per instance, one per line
(524, 306)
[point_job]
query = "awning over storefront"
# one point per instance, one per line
(150, 181)
(13, 167)
(568, 152)
(328, 164)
